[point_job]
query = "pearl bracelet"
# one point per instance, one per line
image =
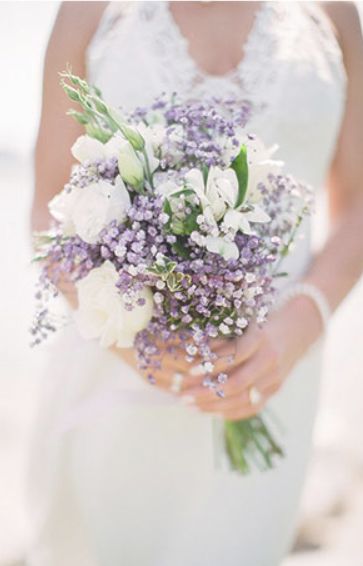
(313, 293)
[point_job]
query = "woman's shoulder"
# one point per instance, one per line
(345, 20)
(71, 14)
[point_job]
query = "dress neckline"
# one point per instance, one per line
(246, 46)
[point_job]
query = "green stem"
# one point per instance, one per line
(248, 441)
(286, 248)
(147, 168)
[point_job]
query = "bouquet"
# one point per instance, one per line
(173, 226)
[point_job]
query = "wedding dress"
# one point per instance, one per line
(121, 475)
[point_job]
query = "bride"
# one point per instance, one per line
(118, 478)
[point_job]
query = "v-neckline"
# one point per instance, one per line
(245, 47)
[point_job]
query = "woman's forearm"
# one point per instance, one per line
(339, 265)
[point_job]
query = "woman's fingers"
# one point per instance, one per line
(230, 353)
(241, 402)
(238, 381)
(247, 410)
(165, 377)
(241, 407)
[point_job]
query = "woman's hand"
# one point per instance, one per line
(264, 358)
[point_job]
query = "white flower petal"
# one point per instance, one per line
(88, 149)
(167, 188)
(96, 206)
(257, 215)
(102, 313)
(61, 207)
(194, 179)
(232, 219)
(220, 246)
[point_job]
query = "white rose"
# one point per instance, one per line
(102, 313)
(130, 166)
(89, 149)
(86, 211)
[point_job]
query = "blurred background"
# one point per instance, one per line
(331, 518)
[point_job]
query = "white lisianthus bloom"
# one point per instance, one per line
(228, 250)
(130, 166)
(86, 211)
(89, 149)
(102, 312)
(220, 191)
(240, 220)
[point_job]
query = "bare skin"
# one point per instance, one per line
(265, 356)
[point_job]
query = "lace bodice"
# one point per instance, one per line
(291, 70)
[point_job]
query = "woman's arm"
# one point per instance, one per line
(343, 254)
(57, 131)
(266, 356)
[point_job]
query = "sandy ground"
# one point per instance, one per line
(331, 521)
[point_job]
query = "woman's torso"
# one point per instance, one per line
(292, 71)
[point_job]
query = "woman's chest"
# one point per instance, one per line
(291, 71)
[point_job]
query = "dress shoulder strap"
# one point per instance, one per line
(107, 28)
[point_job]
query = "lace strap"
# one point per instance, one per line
(107, 28)
(325, 28)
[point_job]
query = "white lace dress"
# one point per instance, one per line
(121, 476)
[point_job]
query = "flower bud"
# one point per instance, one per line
(131, 134)
(72, 93)
(130, 166)
(99, 104)
(79, 116)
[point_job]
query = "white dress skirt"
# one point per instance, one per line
(121, 474)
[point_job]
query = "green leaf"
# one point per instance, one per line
(190, 222)
(38, 258)
(180, 249)
(168, 210)
(281, 274)
(240, 166)
(205, 173)
(185, 192)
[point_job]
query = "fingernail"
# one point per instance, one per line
(187, 399)
(197, 370)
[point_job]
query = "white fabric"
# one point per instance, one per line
(120, 475)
